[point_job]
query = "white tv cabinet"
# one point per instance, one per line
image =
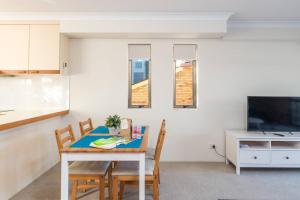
(256, 149)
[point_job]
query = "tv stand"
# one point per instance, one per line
(255, 150)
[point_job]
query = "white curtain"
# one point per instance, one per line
(184, 51)
(139, 51)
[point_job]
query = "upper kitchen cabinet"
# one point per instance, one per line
(14, 45)
(44, 47)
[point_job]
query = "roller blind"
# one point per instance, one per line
(184, 52)
(139, 51)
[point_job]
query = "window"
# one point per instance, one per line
(185, 76)
(139, 93)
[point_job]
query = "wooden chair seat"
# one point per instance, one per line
(89, 168)
(131, 168)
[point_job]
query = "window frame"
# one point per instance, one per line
(130, 84)
(194, 65)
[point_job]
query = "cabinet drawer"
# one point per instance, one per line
(286, 157)
(254, 157)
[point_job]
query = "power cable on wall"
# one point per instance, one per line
(215, 148)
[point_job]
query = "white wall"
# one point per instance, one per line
(228, 71)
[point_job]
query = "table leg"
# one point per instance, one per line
(142, 176)
(64, 193)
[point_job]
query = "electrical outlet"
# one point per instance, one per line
(212, 146)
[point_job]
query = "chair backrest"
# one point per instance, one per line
(159, 145)
(64, 136)
(86, 126)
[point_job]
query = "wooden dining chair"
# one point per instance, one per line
(150, 153)
(82, 171)
(128, 172)
(86, 126)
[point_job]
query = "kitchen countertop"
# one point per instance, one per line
(17, 118)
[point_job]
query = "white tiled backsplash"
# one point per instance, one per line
(34, 92)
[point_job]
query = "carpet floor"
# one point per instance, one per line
(190, 181)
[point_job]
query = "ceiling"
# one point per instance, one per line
(279, 10)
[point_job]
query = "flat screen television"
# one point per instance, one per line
(273, 114)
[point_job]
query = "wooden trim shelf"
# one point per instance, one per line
(32, 120)
(13, 72)
(18, 72)
(44, 71)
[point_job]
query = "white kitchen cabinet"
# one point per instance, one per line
(14, 45)
(33, 49)
(44, 49)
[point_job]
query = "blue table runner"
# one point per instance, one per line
(100, 129)
(85, 142)
(104, 130)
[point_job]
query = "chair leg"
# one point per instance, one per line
(115, 188)
(158, 177)
(122, 188)
(74, 190)
(155, 188)
(113, 164)
(102, 188)
(110, 183)
(158, 189)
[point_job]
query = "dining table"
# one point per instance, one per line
(80, 150)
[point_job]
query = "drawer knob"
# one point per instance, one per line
(255, 157)
(287, 157)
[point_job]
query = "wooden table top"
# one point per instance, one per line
(143, 147)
